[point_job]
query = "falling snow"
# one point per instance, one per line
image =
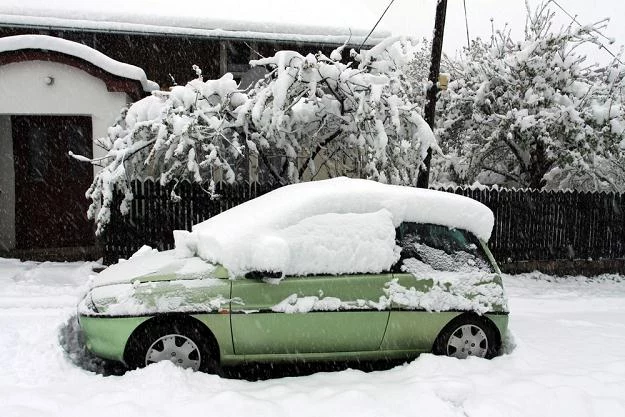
(563, 354)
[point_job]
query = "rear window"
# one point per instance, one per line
(425, 246)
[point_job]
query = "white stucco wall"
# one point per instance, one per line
(25, 90)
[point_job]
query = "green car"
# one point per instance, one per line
(348, 270)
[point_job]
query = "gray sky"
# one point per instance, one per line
(409, 17)
(416, 17)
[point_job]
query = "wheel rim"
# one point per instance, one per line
(467, 340)
(175, 348)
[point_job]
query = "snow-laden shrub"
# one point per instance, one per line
(309, 113)
(358, 115)
(534, 113)
(187, 133)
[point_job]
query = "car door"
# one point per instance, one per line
(429, 250)
(312, 314)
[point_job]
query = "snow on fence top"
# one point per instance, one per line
(324, 21)
(334, 226)
(78, 50)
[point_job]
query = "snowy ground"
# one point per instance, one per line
(569, 360)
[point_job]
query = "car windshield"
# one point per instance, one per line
(441, 248)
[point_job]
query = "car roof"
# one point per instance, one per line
(290, 204)
(333, 226)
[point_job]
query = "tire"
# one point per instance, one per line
(468, 335)
(181, 340)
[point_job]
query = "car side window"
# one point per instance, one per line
(425, 246)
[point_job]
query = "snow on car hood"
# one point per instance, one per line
(334, 226)
(149, 264)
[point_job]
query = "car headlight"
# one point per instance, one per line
(87, 306)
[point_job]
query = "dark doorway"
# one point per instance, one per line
(50, 204)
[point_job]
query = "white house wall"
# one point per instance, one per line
(25, 89)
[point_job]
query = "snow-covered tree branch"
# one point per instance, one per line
(183, 134)
(535, 113)
(311, 109)
(311, 113)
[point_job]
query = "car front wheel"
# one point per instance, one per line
(180, 341)
(468, 335)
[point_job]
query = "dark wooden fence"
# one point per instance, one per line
(153, 215)
(532, 225)
(529, 225)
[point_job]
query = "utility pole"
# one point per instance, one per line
(435, 67)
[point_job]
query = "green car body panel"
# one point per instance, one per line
(107, 336)
(114, 318)
(408, 334)
(263, 320)
(350, 326)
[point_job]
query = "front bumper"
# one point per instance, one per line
(107, 337)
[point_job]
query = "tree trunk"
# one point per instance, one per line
(540, 164)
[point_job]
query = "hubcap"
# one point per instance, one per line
(175, 348)
(467, 340)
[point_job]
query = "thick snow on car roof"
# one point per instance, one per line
(334, 226)
(288, 205)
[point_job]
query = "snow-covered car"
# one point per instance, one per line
(341, 269)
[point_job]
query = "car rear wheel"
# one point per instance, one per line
(178, 340)
(468, 335)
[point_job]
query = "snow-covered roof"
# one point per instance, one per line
(337, 226)
(321, 21)
(78, 50)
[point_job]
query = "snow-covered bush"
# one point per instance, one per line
(534, 113)
(186, 133)
(353, 119)
(309, 113)
(417, 72)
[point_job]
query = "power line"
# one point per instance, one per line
(574, 19)
(466, 23)
(376, 23)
